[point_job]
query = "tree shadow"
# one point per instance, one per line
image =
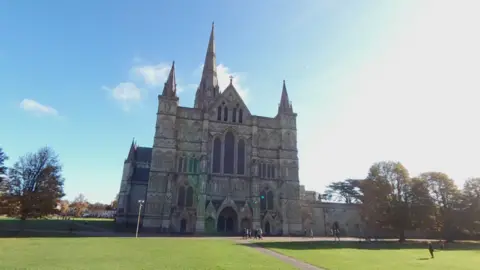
(423, 259)
(377, 245)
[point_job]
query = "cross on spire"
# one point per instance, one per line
(231, 79)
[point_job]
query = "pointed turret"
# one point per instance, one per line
(131, 152)
(170, 88)
(208, 87)
(285, 106)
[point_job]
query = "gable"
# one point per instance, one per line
(230, 98)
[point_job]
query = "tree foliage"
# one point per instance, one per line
(34, 185)
(431, 202)
(347, 191)
(3, 168)
(79, 205)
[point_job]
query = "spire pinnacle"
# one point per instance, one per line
(285, 106)
(208, 86)
(170, 88)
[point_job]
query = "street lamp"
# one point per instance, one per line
(140, 204)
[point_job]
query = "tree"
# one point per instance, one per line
(64, 207)
(3, 168)
(471, 206)
(114, 203)
(79, 205)
(422, 207)
(34, 185)
(347, 191)
(386, 194)
(447, 199)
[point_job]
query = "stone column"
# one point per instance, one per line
(284, 217)
(201, 199)
(167, 205)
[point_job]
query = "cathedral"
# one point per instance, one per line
(216, 167)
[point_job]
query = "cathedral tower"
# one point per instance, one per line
(162, 167)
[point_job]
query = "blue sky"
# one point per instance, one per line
(370, 80)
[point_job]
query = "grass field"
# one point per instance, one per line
(131, 253)
(94, 224)
(390, 256)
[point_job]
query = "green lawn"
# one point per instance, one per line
(95, 224)
(131, 253)
(390, 256)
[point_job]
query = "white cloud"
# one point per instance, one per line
(127, 93)
(223, 76)
(152, 75)
(37, 108)
(416, 102)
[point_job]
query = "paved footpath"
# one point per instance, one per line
(295, 263)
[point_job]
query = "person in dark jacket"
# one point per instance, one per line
(430, 249)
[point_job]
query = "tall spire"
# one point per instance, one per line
(131, 152)
(209, 81)
(170, 87)
(284, 106)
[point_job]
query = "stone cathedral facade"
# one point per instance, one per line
(215, 167)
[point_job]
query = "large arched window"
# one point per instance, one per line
(217, 155)
(181, 196)
(219, 113)
(240, 116)
(189, 201)
(270, 200)
(180, 164)
(241, 157)
(263, 200)
(234, 115)
(225, 114)
(229, 154)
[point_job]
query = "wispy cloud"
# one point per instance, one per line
(37, 108)
(126, 93)
(151, 75)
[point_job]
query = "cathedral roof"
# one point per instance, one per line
(140, 175)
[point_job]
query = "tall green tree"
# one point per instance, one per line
(34, 184)
(471, 204)
(447, 199)
(347, 191)
(386, 192)
(422, 207)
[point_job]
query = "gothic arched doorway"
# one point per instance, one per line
(183, 225)
(209, 225)
(227, 221)
(267, 228)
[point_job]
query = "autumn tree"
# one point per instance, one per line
(3, 168)
(347, 191)
(79, 205)
(386, 196)
(64, 207)
(447, 199)
(34, 184)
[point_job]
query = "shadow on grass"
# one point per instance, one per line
(10, 227)
(308, 245)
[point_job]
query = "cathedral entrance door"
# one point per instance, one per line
(267, 228)
(183, 225)
(227, 221)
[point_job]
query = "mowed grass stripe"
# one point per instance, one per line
(346, 256)
(131, 253)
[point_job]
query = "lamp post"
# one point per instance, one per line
(140, 204)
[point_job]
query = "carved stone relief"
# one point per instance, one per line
(189, 146)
